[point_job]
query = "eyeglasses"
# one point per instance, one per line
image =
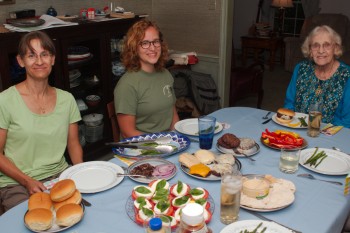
(325, 46)
(146, 44)
(34, 57)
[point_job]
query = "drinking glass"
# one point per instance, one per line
(315, 117)
(231, 186)
(206, 128)
(289, 160)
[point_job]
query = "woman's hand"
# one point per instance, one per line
(34, 186)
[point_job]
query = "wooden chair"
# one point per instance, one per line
(114, 123)
(246, 82)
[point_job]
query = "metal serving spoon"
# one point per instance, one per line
(241, 153)
(309, 176)
(266, 116)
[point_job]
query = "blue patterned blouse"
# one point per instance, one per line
(334, 93)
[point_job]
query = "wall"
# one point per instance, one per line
(245, 14)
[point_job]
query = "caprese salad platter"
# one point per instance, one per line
(161, 198)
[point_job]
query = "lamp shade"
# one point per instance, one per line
(282, 3)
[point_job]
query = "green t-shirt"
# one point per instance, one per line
(36, 143)
(148, 96)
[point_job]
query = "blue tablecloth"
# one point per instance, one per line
(318, 207)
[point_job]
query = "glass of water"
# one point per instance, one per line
(289, 160)
(230, 198)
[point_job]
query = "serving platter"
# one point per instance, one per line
(55, 227)
(237, 165)
(130, 208)
(190, 127)
(250, 152)
(24, 23)
(153, 162)
(181, 142)
(250, 225)
(336, 163)
(304, 145)
(94, 176)
(294, 123)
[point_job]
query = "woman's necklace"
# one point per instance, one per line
(321, 78)
(41, 106)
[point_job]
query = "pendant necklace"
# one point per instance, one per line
(42, 108)
(319, 89)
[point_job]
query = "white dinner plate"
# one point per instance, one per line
(153, 162)
(250, 225)
(94, 176)
(211, 177)
(264, 210)
(55, 227)
(190, 127)
(250, 152)
(294, 121)
(336, 162)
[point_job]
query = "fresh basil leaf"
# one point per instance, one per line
(196, 192)
(147, 212)
(161, 184)
(200, 201)
(143, 190)
(166, 218)
(181, 200)
(141, 201)
(163, 205)
(179, 187)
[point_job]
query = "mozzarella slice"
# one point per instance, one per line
(142, 214)
(199, 196)
(148, 204)
(183, 191)
(154, 185)
(145, 195)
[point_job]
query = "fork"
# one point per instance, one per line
(309, 176)
(266, 116)
(241, 153)
(134, 175)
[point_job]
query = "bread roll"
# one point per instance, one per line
(188, 160)
(69, 215)
(40, 200)
(205, 156)
(62, 190)
(75, 199)
(39, 219)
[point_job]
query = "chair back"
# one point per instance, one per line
(114, 123)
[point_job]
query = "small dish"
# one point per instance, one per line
(92, 100)
(255, 186)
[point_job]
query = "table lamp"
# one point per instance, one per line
(281, 4)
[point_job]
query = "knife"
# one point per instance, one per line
(267, 121)
(269, 220)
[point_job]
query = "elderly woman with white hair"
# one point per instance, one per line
(321, 78)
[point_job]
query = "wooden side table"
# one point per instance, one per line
(258, 43)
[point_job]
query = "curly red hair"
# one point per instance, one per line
(136, 33)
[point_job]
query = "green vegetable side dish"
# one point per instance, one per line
(316, 158)
(302, 121)
(255, 230)
(154, 152)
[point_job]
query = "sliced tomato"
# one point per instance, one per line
(207, 206)
(209, 217)
(138, 219)
(133, 195)
(152, 182)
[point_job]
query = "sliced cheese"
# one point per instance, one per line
(200, 169)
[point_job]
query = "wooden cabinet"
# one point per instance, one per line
(97, 38)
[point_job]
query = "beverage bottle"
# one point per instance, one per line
(155, 226)
(192, 220)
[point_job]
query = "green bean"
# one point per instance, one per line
(302, 121)
(311, 157)
(321, 160)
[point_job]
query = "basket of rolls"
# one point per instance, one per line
(55, 211)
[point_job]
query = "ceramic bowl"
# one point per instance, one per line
(255, 186)
(92, 100)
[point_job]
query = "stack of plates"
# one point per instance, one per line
(77, 54)
(93, 133)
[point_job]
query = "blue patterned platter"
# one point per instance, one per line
(181, 142)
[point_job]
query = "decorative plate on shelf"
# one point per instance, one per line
(24, 23)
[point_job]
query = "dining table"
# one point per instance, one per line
(318, 206)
